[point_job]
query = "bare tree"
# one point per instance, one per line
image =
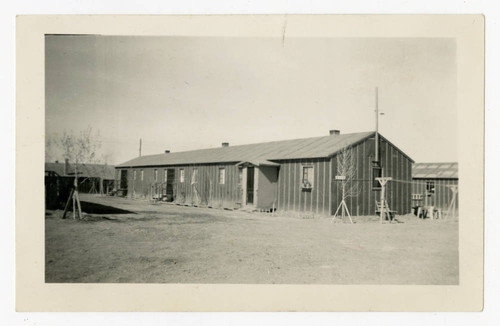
(79, 149)
(346, 166)
(346, 174)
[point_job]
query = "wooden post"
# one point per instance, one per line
(74, 208)
(79, 205)
(452, 206)
(67, 203)
(382, 204)
(76, 199)
(382, 182)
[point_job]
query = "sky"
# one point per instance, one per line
(185, 93)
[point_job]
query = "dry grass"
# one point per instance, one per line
(173, 244)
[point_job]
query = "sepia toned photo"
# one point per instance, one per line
(212, 163)
(252, 160)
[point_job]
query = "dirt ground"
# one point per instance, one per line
(134, 241)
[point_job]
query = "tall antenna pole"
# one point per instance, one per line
(376, 124)
(140, 146)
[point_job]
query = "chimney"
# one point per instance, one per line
(334, 132)
(167, 151)
(66, 166)
(225, 144)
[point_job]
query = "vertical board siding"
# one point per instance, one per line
(207, 184)
(358, 172)
(324, 188)
(322, 199)
(295, 186)
(364, 175)
(298, 167)
(394, 164)
(442, 194)
(292, 197)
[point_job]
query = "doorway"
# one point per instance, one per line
(123, 179)
(250, 183)
(169, 188)
(123, 182)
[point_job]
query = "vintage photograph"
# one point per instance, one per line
(251, 160)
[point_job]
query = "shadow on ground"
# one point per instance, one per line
(93, 208)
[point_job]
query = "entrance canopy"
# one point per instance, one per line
(256, 163)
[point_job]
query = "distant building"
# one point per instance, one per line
(292, 175)
(431, 184)
(88, 174)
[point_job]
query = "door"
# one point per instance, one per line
(268, 187)
(170, 184)
(250, 179)
(123, 181)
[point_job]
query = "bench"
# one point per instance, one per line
(388, 212)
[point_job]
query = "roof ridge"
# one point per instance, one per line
(270, 150)
(259, 143)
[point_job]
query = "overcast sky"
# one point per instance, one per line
(183, 93)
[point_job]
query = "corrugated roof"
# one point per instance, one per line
(86, 170)
(315, 147)
(447, 170)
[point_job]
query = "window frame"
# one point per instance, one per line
(375, 184)
(222, 175)
(430, 186)
(182, 176)
(310, 176)
(156, 175)
(142, 175)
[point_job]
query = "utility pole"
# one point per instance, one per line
(140, 146)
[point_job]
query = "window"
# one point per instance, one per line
(222, 176)
(376, 173)
(156, 175)
(430, 187)
(194, 176)
(307, 179)
(181, 176)
(165, 175)
(135, 174)
(142, 175)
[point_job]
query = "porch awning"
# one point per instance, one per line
(257, 163)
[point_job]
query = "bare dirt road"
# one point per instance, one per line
(138, 242)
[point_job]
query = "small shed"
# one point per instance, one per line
(89, 175)
(433, 184)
